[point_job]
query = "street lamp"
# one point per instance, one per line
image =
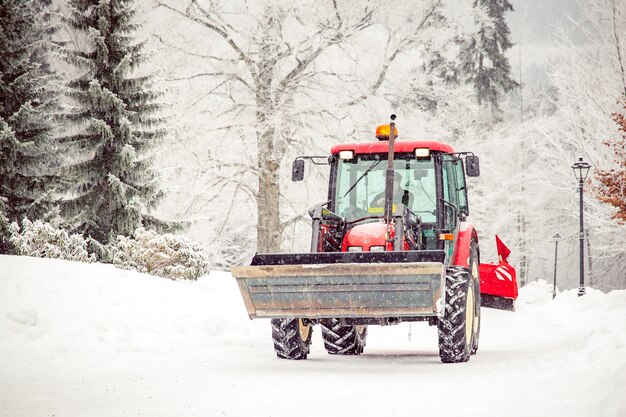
(556, 237)
(581, 169)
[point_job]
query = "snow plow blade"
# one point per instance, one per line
(498, 286)
(343, 284)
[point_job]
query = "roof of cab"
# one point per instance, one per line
(382, 146)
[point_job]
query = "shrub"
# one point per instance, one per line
(164, 255)
(42, 240)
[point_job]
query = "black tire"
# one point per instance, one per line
(456, 327)
(341, 339)
(474, 272)
(292, 338)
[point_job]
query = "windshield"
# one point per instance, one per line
(360, 187)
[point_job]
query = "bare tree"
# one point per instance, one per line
(280, 68)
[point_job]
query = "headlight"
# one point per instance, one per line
(355, 249)
(377, 248)
(346, 155)
(422, 152)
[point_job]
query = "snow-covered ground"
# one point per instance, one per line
(92, 340)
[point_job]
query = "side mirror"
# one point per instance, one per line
(472, 166)
(297, 170)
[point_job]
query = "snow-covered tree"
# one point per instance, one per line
(4, 228)
(28, 101)
(275, 76)
(435, 86)
(115, 124)
(590, 85)
(587, 85)
(484, 66)
(483, 54)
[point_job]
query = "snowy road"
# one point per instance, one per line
(93, 340)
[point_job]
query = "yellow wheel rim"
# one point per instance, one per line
(304, 330)
(469, 315)
(361, 330)
(475, 276)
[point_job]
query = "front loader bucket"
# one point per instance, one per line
(343, 284)
(498, 286)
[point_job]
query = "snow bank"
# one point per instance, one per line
(93, 340)
(63, 307)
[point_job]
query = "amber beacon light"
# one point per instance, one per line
(383, 131)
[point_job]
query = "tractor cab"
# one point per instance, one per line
(429, 184)
(428, 195)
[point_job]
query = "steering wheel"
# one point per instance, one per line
(360, 219)
(354, 212)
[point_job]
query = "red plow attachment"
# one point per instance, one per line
(498, 282)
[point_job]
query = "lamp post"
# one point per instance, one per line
(556, 237)
(581, 169)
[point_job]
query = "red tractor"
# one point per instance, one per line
(391, 244)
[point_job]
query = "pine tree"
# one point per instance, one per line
(613, 182)
(28, 101)
(5, 246)
(483, 55)
(116, 125)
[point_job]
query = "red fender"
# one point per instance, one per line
(461, 253)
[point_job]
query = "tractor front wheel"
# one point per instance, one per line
(456, 327)
(292, 338)
(340, 339)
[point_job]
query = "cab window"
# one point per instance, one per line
(361, 182)
(449, 181)
(461, 186)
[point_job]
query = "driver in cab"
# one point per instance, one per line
(399, 194)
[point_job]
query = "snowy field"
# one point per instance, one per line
(92, 340)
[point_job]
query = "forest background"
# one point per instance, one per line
(312, 74)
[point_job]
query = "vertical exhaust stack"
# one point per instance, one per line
(390, 173)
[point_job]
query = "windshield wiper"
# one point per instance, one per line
(361, 177)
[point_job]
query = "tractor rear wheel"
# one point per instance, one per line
(292, 338)
(341, 339)
(456, 327)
